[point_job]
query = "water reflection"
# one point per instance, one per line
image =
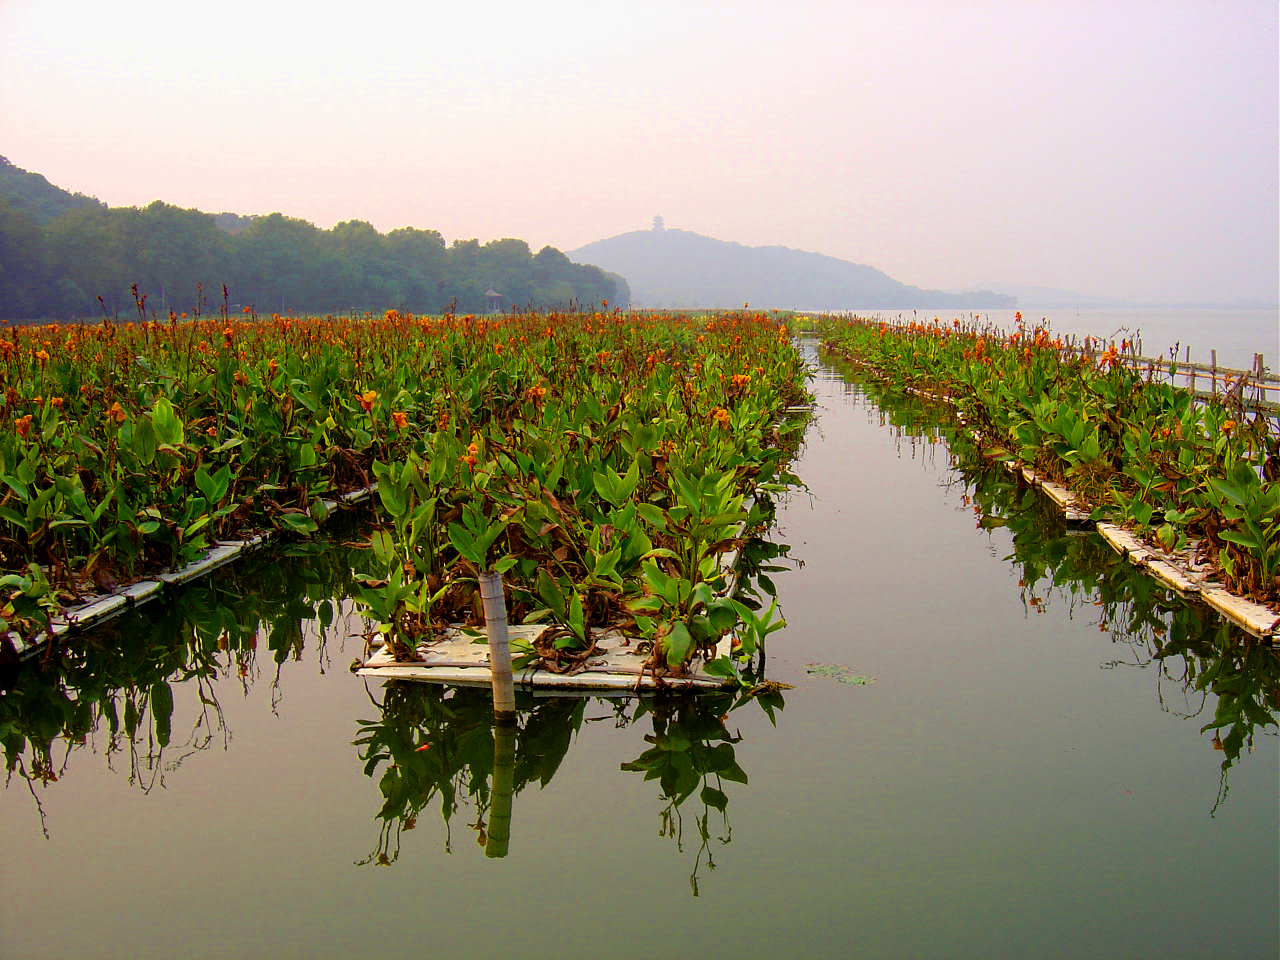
(144, 692)
(143, 689)
(438, 746)
(1205, 668)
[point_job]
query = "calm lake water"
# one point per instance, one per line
(1025, 777)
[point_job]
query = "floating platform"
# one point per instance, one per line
(462, 657)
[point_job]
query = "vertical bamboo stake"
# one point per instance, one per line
(1213, 372)
(495, 621)
(498, 837)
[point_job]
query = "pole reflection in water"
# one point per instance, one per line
(504, 772)
(438, 743)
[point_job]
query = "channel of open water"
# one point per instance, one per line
(993, 747)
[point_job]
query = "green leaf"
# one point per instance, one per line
(298, 523)
(652, 514)
(168, 428)
(678, 643)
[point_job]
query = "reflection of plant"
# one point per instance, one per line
(140, 680)
(692, 750)
(1193, 648)
(436, 744)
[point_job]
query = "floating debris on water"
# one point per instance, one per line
(837, 671)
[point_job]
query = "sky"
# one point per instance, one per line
(1119, 148)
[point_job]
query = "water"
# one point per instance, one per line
(1020, 779)
(1236, 334)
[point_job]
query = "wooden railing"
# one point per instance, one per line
(1256, 389)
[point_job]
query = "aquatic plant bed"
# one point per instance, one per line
(1191, 479)
(461, 657)
(600, 461)
(101, 607)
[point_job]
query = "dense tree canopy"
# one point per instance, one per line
(58, 267)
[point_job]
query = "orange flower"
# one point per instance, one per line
(42, 356)
(272, 366)
(212, 431)
(56, 401)
(240, 378)
(1228, 426)
(117, 413)
(400, 420)
(23, 425)
(367, 398)
(721, 416)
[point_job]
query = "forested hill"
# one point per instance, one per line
(677, 268)
(56, 262)
(37, 197)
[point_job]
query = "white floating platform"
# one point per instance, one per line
(1253, 617)
(462, 657)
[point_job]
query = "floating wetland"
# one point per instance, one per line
(1181, 481)
(1053, 755)
(602, 463)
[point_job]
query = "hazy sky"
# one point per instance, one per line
(1121, 148)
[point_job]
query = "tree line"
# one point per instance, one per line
(81, 259)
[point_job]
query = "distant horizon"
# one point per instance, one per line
(1055, 297)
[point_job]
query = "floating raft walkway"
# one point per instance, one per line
(462, 657)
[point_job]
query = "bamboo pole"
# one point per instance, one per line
(495, 621)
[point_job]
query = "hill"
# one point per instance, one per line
(67, 255)
(37, 197)
(678, 268)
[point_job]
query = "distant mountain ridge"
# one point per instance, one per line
(679, 268)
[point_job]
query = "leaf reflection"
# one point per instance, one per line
(438, 746)
(1219, 674)
(143, 690)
